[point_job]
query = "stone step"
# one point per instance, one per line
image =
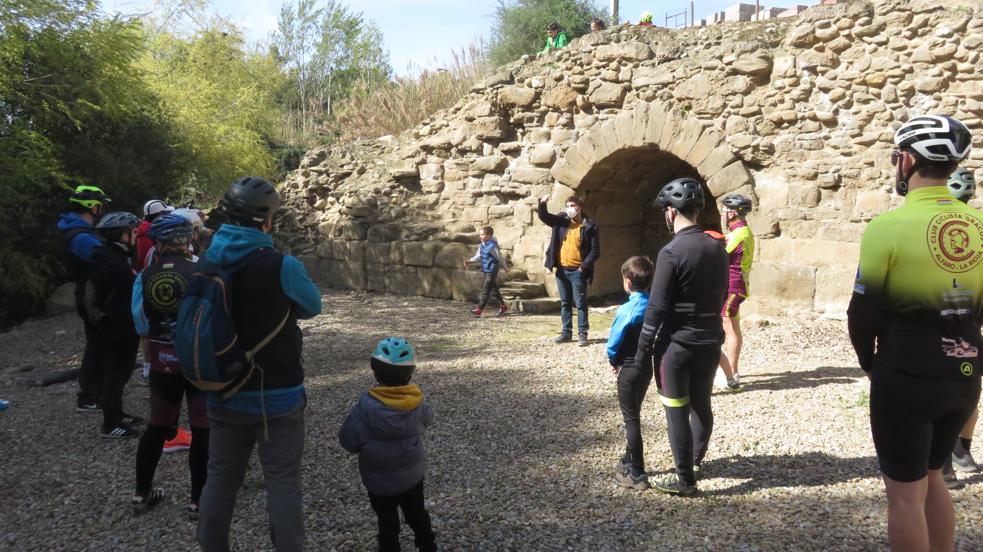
(541, 305)
(523, 290)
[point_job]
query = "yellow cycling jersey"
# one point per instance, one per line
(921, 271)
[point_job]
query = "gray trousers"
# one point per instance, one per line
(233, 435)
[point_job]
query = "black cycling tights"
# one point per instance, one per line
(632, 385)
(686, 381)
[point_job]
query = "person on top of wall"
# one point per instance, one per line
(555, 37)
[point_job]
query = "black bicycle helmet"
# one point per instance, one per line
(250, 200)
(118, 220)
(681, 194)
(737, 202)
(935, 138)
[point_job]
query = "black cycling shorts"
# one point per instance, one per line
(916, 420)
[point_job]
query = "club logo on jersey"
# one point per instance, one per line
(956, 241)
(958, 348)
(966, 369)
(165, 290)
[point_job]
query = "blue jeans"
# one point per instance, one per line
(572, 286)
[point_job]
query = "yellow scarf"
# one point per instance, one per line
(404, 397)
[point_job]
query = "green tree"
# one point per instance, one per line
(520, 25)
(221, 100)
(69, 101)
(326, 50)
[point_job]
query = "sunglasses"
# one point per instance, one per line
(896, 157)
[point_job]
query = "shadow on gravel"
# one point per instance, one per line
(812, 469)
(824, 375)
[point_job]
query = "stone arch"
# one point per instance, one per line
(621, 164)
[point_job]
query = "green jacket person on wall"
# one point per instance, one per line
(556, 38)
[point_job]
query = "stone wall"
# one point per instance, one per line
(797, 113)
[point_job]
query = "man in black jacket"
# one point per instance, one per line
(574, 248)
(108, 296)
(683, 322)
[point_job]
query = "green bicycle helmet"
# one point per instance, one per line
(394, 358)
(88, 196)
(962, 184)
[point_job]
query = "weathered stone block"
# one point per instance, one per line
(716, 160)
(529, 175)
(378, 252)
(562, 98)
(344, 273)
(729, 178)
(608, 94)
(772, 192)
(834, 286)
(491, 164)
(519, 96)
(542, 154)
(419, 253)
(475, 214)
(790, 286)
(431, 171)
(697, 87)
(630, 51)
(490, 128)
(452, 255)
(871, 203)
(351, 230)
(755, 66)
(652, 76)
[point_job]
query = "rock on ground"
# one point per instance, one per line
(520, 455)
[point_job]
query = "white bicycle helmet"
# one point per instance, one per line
(936, 138)
(191, 215)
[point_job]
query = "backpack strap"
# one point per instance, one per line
(252, 352)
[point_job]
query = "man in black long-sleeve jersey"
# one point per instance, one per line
(683, 321)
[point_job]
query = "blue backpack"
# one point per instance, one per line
(208, 349)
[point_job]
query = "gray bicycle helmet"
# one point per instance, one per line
(962, 184)
(737, 202)
(118, 220)
(250, 200)
(681, 194)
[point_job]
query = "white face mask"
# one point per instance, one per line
(572, 212)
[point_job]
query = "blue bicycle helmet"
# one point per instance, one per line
(394, 358)
(171, 228)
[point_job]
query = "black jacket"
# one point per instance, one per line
(590, 241)
(688, 292)
(109, 291)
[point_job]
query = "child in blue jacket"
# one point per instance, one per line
(633, 381)
(492, 261)
(385, 428)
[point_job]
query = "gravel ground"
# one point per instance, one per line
(520, 455)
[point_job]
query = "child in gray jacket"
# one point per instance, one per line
(385, 428)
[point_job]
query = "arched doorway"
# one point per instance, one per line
(619, 168)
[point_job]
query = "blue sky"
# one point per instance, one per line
(421, 32)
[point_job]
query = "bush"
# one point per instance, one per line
(374, 111)
(520, 25)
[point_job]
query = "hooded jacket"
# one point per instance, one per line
(81, 240)
(270, 286)
(385, 428)
(590, 241)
